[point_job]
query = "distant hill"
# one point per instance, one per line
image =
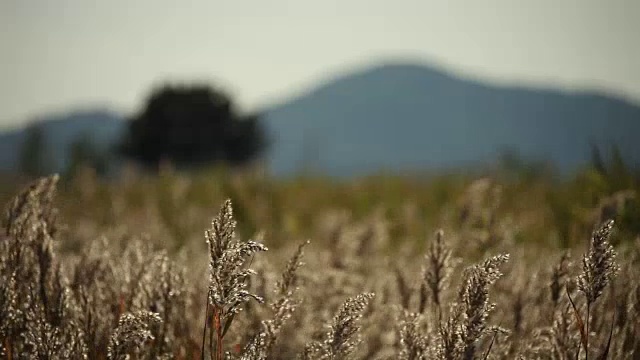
(412, 117)
(400, 117)
(103, 127)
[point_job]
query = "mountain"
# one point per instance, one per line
(412, 117)
(102, 127)
(400, 117)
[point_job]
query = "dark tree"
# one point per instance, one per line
(34, 154)
(192, 126)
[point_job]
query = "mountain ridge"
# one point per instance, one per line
(407, 116)
(61, 129)
(451, 73)
(416, 91)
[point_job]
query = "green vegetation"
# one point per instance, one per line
(520, 266)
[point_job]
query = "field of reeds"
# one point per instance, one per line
(219, 266)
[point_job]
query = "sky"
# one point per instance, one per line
(58, 55)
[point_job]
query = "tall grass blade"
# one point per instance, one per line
(583, 334)
(605, 352)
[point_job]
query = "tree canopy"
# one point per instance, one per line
(192, 126)
(34, 157)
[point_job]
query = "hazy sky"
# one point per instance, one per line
(61, 54)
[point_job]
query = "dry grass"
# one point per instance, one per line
(137, 279)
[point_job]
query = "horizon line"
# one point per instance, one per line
(345, 71)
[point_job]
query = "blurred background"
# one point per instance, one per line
(325, 90)
(343, 88)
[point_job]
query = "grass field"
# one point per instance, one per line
(501, 266)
